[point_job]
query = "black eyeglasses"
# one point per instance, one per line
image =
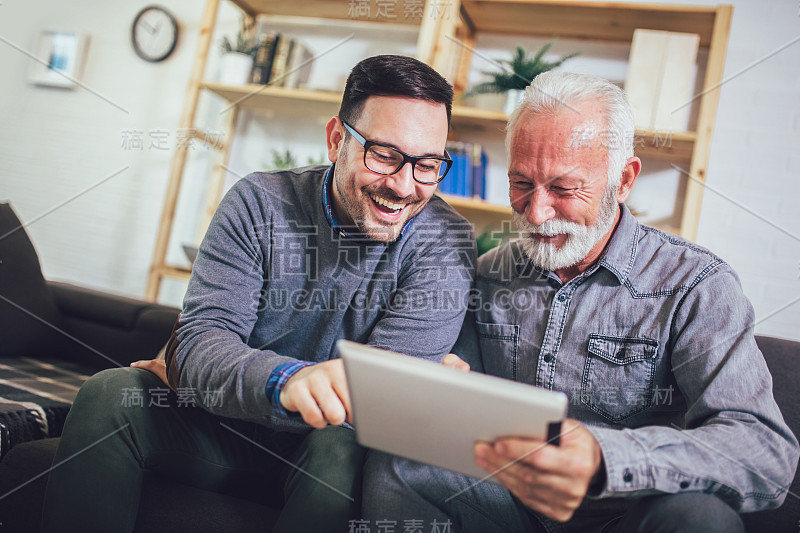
(386, 160)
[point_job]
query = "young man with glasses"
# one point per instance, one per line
(292, 262)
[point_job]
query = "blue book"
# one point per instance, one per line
(479, 162)
(460, 182)
(446, 186)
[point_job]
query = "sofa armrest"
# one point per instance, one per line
(106, 330)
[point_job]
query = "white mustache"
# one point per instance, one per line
(550, 228)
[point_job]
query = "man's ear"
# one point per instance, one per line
(632, 168)
(335, 136)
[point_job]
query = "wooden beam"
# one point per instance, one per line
(179, 159)
(598, 21)
(217, 182)
(709, 101)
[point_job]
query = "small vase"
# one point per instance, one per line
(513, 98)
(235, 68)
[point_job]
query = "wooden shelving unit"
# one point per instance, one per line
(446, 43)
(605, 22)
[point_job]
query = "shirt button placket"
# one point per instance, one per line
(551, 341)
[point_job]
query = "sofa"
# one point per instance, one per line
(69, 332)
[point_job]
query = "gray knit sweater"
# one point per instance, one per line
(276, 282)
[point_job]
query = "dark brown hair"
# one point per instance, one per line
(391, 75)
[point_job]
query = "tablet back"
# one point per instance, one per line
(427, 412)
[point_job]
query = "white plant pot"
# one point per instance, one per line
(235, 68)
(513, 98)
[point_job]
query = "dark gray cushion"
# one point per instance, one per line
(23, 478)
(165, 505)
(783, 359)
(28, 314)
(108, 330)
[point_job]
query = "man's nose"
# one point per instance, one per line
(402, 182)
(540, 207)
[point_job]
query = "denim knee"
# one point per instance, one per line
(334, 448)
(105, 399)
(679, 513)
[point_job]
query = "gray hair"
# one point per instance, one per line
(554, 92)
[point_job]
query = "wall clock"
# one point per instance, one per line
(154, 34)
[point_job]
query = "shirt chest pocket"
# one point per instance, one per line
(618, 376)
(499, 343)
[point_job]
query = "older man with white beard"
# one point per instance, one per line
(672, 425)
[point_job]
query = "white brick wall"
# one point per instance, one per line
(54, 144)
(754, 161)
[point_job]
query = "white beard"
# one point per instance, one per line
(580, 239)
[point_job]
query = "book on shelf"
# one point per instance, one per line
(265, 53)
(280, 60)
(660, 78)
(298, 68)
(467, 176)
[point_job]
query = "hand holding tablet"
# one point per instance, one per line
(435, 414)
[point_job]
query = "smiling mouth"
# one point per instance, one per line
(543, 237)
(386, 206)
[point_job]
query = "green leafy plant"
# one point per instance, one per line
(520, 71)
(284, 160)
(491, 239)
(244, 44)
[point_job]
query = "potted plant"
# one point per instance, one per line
(236, 63)
(517, 73)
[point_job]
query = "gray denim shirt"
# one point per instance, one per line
(654, 346)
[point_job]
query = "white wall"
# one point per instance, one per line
(55, 144)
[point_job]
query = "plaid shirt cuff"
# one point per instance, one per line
(277, 380)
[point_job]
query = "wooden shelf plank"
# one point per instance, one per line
(480, 213)
(212, 140)
(600, 21)
(265, 97)
(474, 118)
(324, 102)
(476, 204)
(178, 272)
(665, 145)
(673, 145)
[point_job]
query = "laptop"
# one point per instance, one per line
(427, 412)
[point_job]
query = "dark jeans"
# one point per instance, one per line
(400, 491)
(124, 422)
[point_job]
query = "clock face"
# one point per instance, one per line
(154, 34)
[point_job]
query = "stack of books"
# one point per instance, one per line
(467, 176)
(280, 61)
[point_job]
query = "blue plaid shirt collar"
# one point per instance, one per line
(327, 205)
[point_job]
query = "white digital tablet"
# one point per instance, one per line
(433, 414)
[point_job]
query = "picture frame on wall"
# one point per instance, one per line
(61, 55)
